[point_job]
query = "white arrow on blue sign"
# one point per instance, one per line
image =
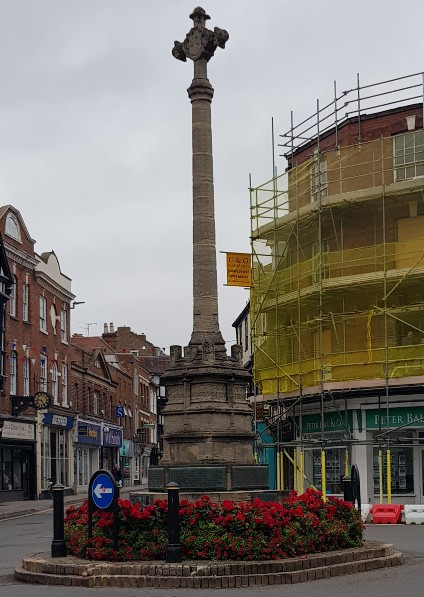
(103, 491)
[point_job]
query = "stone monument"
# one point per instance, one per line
(208, 437)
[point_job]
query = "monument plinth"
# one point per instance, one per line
(208, 437)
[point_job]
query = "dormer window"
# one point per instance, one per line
(12, 227)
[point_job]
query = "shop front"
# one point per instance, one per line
(17, 461)
(56, 450)
(86, 453)
(110, 446)
(329, 449)
(398, 452)
(126, 454)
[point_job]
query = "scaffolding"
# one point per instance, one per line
(337, 303)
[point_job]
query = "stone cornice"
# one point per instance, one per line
(19, 256)
(48, 284)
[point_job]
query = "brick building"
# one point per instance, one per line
(337, 305)
(35, 446)
(114, 391)
(154, 361)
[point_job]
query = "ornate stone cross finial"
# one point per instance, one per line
(200, 42)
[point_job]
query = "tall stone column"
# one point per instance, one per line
(208, 438)
(199, 46)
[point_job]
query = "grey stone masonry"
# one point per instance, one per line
(207, 419)
(199, 46)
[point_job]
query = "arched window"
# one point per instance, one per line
(12, 227)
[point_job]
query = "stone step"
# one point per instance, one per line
(210, 581)
(71, 571)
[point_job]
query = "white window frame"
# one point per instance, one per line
(25, 302)
(55, 389)
(318, 173)
(12, 300)
(64, 384)
(43, 373)
(408, 162)
(96, 402)
(43, 314)
(63, 326)
(12, 227)
(12, 372)
(25, 376)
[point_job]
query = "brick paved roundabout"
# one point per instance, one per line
(70, 571)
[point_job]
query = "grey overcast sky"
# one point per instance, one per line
(95, 137)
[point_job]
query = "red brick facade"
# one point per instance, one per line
(37, 341)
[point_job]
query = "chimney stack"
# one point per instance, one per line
(111, 328)
(105, 328)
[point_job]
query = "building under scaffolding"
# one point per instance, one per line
(337, 304)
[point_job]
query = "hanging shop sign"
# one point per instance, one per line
(112, 437)
(52, 419)
(17, 430)
(333, 421)
(88, 433)
(239, 269)
(120, 412)
(127, 449)
(378, 418)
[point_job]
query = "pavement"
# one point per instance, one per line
(23, 508)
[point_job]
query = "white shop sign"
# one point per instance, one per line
(16, 430)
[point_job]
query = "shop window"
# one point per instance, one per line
(402, 473)
(334, 469)
(82, 466)
(54, 456)
(408, 155)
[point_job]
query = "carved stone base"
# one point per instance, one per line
(209, 478)
(208, 421)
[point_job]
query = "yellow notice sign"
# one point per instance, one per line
(239, 270)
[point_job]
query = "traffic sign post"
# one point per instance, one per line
(103, 494)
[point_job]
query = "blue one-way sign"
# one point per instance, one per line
(102, 490)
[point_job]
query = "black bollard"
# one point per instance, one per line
(174, 548)
(58, 543)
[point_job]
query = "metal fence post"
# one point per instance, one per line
(174, 548)
(58, 543)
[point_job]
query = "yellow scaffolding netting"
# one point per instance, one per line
(338, 271)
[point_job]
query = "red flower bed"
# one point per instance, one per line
(232, 531)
